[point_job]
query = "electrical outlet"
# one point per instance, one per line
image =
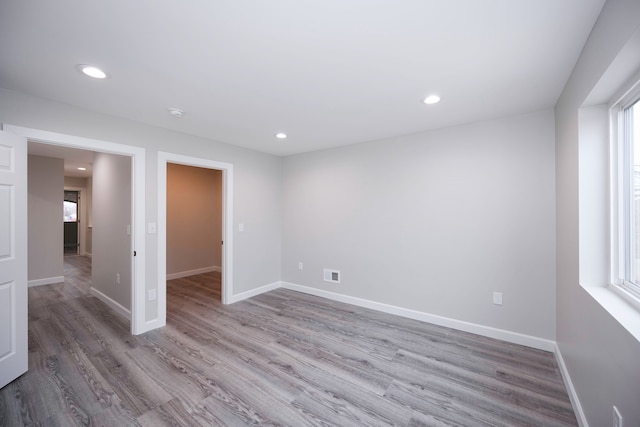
(300, 265)
(497, 298)
(117, 278)
(617, 418)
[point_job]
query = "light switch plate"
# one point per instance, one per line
(497, 298)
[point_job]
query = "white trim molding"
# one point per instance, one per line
(571, 390)
(138, 203)
(487, 331)
(45, 281)
(226, 278)
(117, 307)
(187, 273)
(254, 292)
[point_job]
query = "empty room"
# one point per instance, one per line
(327, 213)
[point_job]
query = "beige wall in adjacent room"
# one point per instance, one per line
(46, 186)
(194, 219)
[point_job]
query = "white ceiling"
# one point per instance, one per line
(326, 72)
(73, 158)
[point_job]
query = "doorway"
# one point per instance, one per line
(194, 221)
(71, 221)
(226, 240)
(137, 212)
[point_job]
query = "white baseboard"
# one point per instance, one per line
(487, 331)
(150, 325)
(111, 303)
(87, 254)
(188, 273)
(253, 292)
(45, 281)
(573, 396)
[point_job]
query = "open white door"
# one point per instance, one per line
(13, 257)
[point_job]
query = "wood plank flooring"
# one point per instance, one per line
(281, 358)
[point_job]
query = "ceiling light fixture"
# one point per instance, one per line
(281, 135)
(91, 71)
(82, 169)
(432, 99)
(176, 112)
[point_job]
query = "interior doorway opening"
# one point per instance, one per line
(168, 269)
(135, 157)
(71, 222)
(194, 225)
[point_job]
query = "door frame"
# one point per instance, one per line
(138, 241)
(227, 224)
(81, 217)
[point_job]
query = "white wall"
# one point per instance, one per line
(433, 222)
(46, 187)
(600, 355)
(194, 219)
(257, 181)
(112, 244)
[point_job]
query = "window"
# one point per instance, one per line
(70, 206)
(627, 170)
(69, 211)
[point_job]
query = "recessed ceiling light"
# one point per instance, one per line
(91, 71)
(176, 112)
(281, 135)
(432, 99)
(82, 169)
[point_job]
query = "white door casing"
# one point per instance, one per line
(13, 257)
(139, 324)
(227, 226)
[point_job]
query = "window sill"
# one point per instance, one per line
(617, 306)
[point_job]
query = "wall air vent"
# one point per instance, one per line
(332, 276)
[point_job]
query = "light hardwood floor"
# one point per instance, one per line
(281, 358)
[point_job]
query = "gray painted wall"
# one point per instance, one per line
(600, 355)
(46, 187)
(112, 241)
(257, 181)
(433, 222)
(88, 249)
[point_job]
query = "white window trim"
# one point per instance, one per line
(629, 292)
